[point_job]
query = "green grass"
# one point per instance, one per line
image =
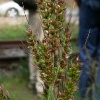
(18, 89)
(74, 31)
(77, 96)
(74, 46)
(19, 32)
(13, 32)
(14, 87)
(16, 82)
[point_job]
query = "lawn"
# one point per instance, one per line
(13, 32)
(18, 89)
(16, 82)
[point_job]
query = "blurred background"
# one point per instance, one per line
(14, 71)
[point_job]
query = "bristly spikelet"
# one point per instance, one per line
(51, 56)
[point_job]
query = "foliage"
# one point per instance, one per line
(58, 71)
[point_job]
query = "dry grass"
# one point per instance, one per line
(70, 3)
(4, 21)
(2, 1)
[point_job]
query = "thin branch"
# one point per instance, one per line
(87, 38)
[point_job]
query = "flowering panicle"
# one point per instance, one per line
(51, 56)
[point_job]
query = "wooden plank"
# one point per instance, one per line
(11, 44)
